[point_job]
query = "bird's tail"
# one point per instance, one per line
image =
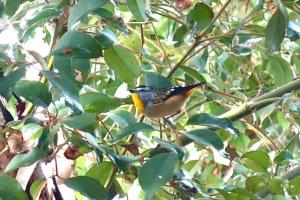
(194, 85)
(188, 89)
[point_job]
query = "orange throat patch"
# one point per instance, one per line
(139, 104)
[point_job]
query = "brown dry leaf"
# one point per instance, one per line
(72, 152)
(15, 143)
(132, 148)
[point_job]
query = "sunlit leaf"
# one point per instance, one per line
(138, 10)
(25, 159)
(37, 187)
(156, 80)
(256, 160)
(101, 172)
(255, 183)
(94, 102)
(123, 62)
(294, 186)
(275, 186)
(82, 8)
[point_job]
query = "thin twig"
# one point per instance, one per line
(198, 38)
(161, 46)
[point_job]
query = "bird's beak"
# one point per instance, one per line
(131, 91)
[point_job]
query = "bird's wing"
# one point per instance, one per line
(161, 95)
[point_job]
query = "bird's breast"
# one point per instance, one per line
(166, 108)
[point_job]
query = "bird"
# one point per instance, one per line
(162, 102)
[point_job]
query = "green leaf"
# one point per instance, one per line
(294, 186)
(156, 172)
(255, 183)
(67, 66)
(276, 29)
(201, 15)
(123, 62)
(132, 129)
(210, 120)
(256, 160)
(122, 118)
(36, 188)
(34, 91)
(205, 137)
(107, 38)
(275, 186)
(295, 60)
(9, 81)
(199, 61)
(1, 8)
(171, 147)
(80, 143)
(25, 159)
(265, 112)
(40, 17)
(32, 130)
(11, 7)
(87, 186)
(179, 35)
(94, 102)
(283, 122)
(84, 122)
(124, 162)
(193, 73)
(82, 8)
(84, 47)
(283, 158)
(101, 172)
(157, 81)
(280, 70)
(111, 19)
(66, 87)
(10, 189)
(137, 8)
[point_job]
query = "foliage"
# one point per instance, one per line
(65, 70)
